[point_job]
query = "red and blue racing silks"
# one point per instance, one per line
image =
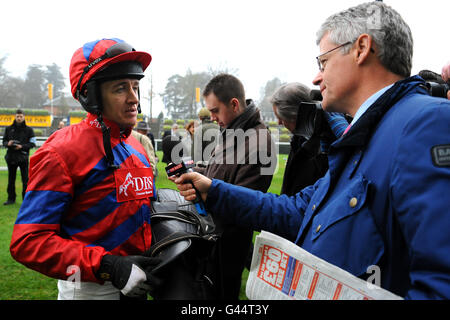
(77, 209)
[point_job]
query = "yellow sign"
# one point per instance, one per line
(50, 91)
(6, 119)
(197, 94)
(75, 120)
(38, 121)
(31, 121)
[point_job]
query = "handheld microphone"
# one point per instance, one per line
(183, 167)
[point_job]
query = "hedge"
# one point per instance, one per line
(31, 112)
(285, 138)
(77, 114)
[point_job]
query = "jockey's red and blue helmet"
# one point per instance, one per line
(102, 60)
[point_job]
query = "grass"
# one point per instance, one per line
(16, 281)
(20, 283)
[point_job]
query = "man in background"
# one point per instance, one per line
(19, 139)
(205, 137)
(232, 162)
(141, 135)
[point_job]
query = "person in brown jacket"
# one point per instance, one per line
(245, 155)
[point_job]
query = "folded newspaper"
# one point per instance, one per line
(281, 270)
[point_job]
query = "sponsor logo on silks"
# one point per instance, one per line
(128, 181)
(132, 184)
(441, 155)
(94, 123)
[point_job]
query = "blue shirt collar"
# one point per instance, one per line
(363, 108)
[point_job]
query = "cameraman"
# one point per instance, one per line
(311, 130)
(19, 139)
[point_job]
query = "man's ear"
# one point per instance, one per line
(363, 47)
(235, 104)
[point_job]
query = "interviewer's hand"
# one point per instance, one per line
(201, 182)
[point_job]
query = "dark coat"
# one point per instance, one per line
(24, 136)
(245, 168)
(168, 143)
(205, 136)
(382, 202)
(305, 165)
(240, 162)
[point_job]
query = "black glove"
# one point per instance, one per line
(129, 274)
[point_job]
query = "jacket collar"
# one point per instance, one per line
(248, 119)
(19, 125)
(363, 129)
(116, 131)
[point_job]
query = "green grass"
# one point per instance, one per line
(20, 283)
(16, 281)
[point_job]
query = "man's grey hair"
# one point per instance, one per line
(391, 34)
(287, 99)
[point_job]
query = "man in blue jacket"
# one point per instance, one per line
(384, 201)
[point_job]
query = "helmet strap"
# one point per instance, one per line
(106, 132)
(139, 103)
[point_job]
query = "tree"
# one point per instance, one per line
(11, 92)
(63, 105)
(191, 82)
(11, 88)
(34, 87)
(31, 92)
(3, 82)
(172, 95)
(179, 94)
(214, 71)
(54, 76)
(3, 72)
(266, 92)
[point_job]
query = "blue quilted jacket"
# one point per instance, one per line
(385, 200)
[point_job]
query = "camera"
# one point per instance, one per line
(16, 143)
(309, 119)
(438, 89)
(434, 83)
(312, 121)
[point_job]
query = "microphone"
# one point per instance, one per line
(177, 170)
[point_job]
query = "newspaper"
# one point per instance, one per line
(281, 270)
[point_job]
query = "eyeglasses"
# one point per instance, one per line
(320, 62)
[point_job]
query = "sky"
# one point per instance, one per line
(260, 39)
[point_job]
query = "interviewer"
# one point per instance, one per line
(384, 198)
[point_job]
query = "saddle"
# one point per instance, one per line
(184, 241)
